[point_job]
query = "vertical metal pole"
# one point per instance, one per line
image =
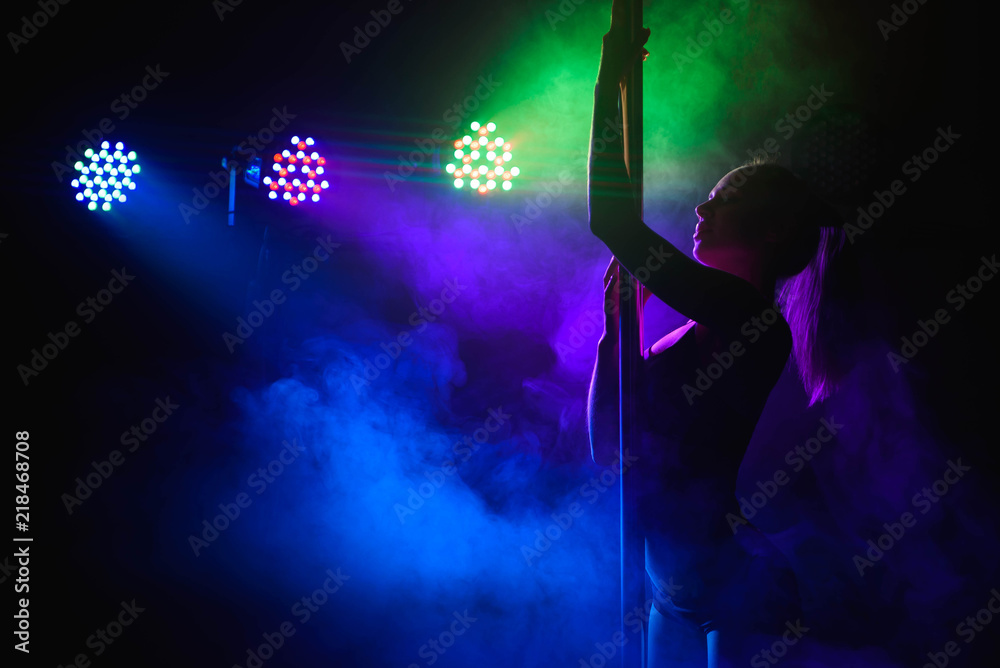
(232, 195)
(633, 545)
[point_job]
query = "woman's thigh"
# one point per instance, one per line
(729, 649)
(672, 643)
(677, 644)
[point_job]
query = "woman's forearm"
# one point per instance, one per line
(603, 404)
(609, 190)
(610, 198)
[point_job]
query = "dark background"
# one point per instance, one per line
(163, 331)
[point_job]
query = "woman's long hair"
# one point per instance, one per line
(805, 300)
(808, 261)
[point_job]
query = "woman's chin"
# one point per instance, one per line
(710, 259)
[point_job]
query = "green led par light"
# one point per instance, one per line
(482, 161)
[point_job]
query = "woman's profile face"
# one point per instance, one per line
(731, 221)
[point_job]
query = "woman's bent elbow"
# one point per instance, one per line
(599, 224)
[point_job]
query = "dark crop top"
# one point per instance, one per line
(695, 428)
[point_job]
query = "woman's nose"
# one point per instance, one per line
(703, 210)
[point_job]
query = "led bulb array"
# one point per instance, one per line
(299, 173)
(482, 160)
(108, 175)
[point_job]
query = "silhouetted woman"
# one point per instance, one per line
(760, 223)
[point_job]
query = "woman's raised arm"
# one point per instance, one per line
(717, 299)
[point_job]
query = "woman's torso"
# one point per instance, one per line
(699, 404)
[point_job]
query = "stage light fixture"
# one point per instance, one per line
(106, 176)
(485, 161)
(298, 173)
